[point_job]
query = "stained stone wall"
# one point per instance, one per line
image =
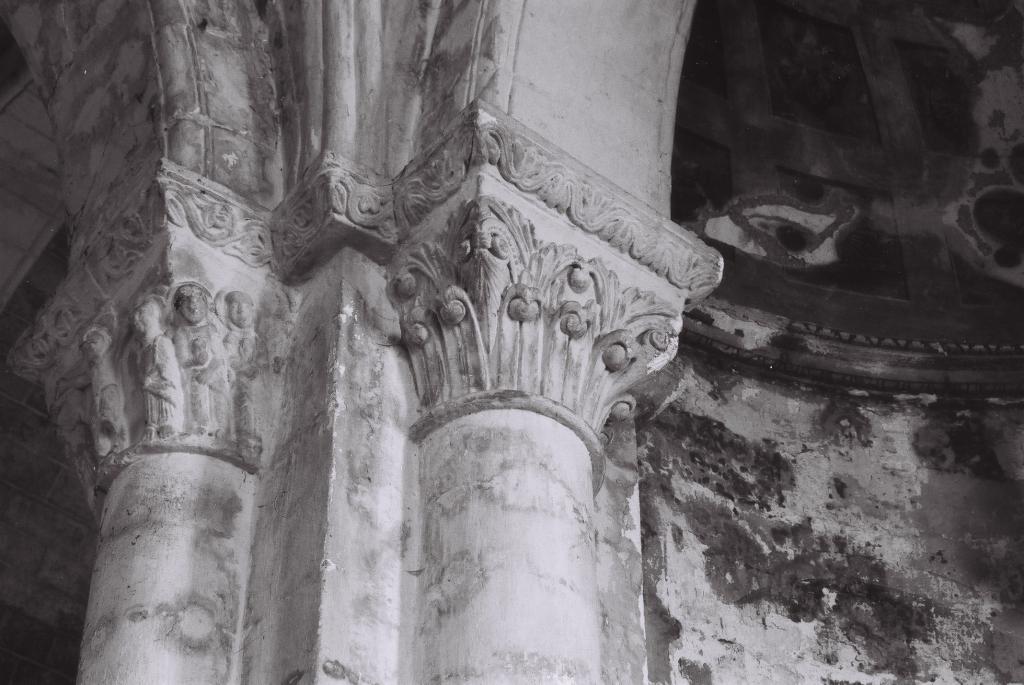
(47, 535)
(800, 535)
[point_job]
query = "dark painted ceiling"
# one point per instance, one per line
(860, 164)
(879, 195)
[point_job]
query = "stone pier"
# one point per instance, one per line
(349, 328)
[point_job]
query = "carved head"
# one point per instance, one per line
(481, 238)
(240, 309)
(489, 243)
(192, 303)
(95, 343)
(148, 317)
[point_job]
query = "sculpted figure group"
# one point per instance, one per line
(196, 361)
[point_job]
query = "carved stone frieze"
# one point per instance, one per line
(429, 181)
(52, 331)
(197, 361)
(489, 308)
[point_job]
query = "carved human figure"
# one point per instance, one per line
(200, 353)
(161, 376)
(109, 426)
(247, 355)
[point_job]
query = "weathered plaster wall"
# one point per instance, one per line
(796, 535)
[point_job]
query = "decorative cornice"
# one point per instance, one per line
(943, 347)
(807, 352)
(483, 141)
(98, 269)
(487, 307)
(435, 176)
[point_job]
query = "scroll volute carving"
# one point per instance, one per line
(489, 307)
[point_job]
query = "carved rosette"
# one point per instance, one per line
(489, 308)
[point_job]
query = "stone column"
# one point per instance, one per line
(172, 563)
(531, 295)
(156, 356)
(509, 584)
(523, 340)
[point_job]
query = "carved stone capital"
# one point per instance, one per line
(110, 259)
(158, 338)
(493, 316)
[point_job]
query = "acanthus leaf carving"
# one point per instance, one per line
(488, 307)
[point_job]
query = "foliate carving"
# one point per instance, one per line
(104, 260)
(376, 210)
(333, 194)
(104, 263)
(488, 307)
(54, 329)
(680, 258)
(427, 183)
(113, 256)
(217, 220)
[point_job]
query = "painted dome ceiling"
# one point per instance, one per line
(861, 167)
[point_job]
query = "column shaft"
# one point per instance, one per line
(509, 592)
(168, 585)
